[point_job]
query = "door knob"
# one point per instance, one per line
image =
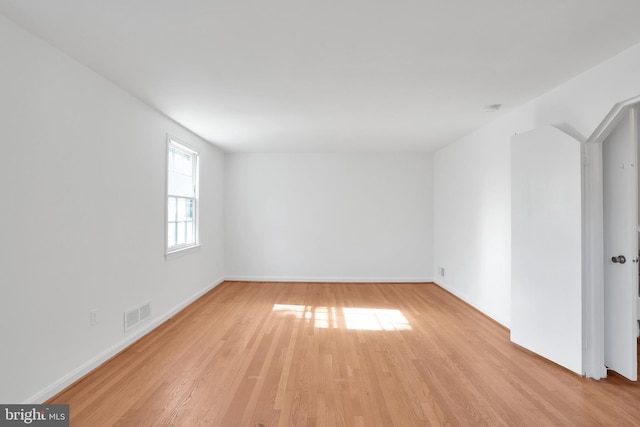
(620, 258)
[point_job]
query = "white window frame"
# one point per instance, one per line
(173, 142)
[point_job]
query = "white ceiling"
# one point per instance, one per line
(296, 75)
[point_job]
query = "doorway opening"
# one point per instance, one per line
(611, 235)
(620, 245)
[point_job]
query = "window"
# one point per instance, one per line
(182, 197)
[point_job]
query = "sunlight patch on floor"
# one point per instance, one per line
(365, 319)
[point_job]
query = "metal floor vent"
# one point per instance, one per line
(136, 315)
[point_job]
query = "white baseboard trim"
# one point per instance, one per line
(330, 279)
(444, 286)
(92, 364)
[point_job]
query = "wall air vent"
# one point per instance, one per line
(136, 315)
(145, 311)
(131, 318)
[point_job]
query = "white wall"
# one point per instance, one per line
(329, 216)
(82, 217)
(472, 181)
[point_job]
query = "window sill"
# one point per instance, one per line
(181, 252)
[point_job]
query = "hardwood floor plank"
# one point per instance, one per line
(339, 354)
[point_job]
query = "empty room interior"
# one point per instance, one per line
(321, 213)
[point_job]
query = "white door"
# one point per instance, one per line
(620, 198)
(546, 245)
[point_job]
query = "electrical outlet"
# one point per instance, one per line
(93, 318)
(442, 271)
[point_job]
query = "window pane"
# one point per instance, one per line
(180, 185)
(187, 165)
(171, 234)
(189, 210)
(182, 233)
(171, 209)
(172, 159)
(181, 192)
(190, 230)
(182, 206)
(179, 160)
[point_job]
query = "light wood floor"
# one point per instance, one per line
(313, 354)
